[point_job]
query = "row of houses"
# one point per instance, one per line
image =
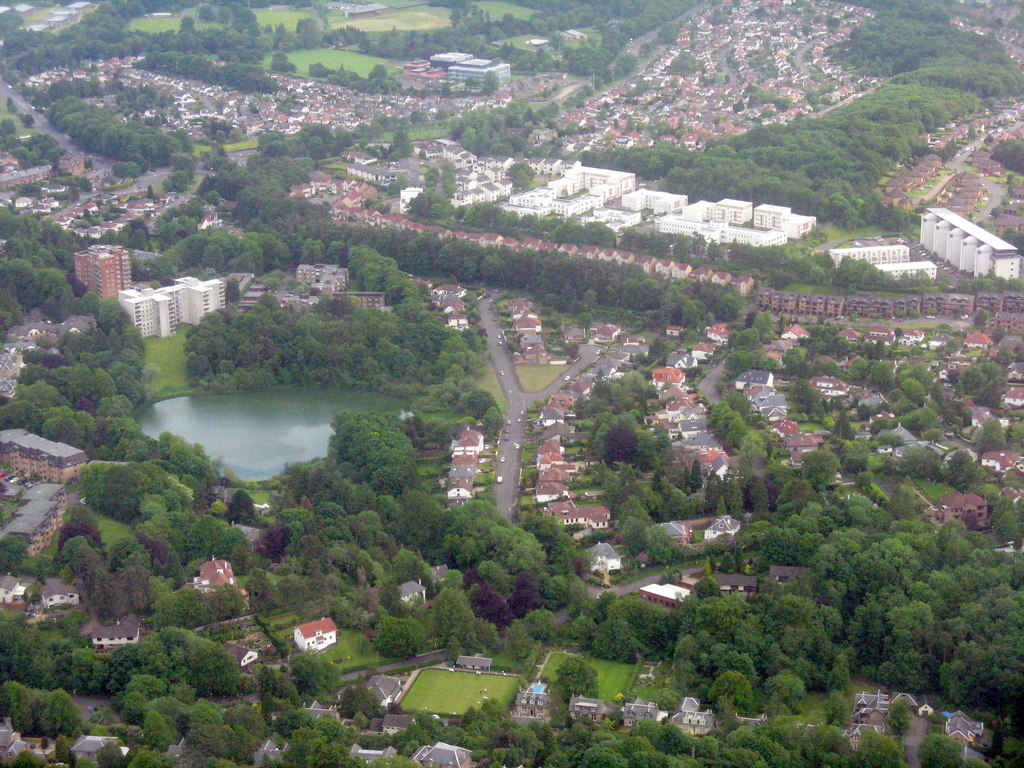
(938, 304)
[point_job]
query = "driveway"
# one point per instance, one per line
(708, 386)
(913, 740)
(509, 452)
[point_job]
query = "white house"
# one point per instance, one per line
(723, 526)
(316, 635)
(604, 557)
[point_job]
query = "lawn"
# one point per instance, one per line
(498, 8)
(420, 18)
(488, 382)
(112, 531)
(535, 377)
(267, 17)
(352, 651)
(613, 678)
(333, 58)
(445, 692)
(166, 357)
(934, 491)
(155, 24)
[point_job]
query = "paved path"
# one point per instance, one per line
(509, 454)
(708, 386)
(913, 740)
(424, 658)
(996, 192)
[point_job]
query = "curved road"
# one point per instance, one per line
(509, 454)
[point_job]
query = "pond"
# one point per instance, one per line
(256, 434)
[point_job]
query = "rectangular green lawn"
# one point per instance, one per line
(417, 19)
(166, 357)
(333, 58)
(498, 8)
(112, 531)
(446, 692)
(535, 377)
(613, 678)
(267, 17)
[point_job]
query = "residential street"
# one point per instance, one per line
(509, 453)
(708, 386)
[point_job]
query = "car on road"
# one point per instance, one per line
(517, 446)
(519, 421)
(502, 459)
(497, 479)
(501, 372)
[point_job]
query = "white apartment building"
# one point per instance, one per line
(620, 182)
(782, 217)
(906, 268)
(660, 203)
(718, 232)
(872, 254)
(698, 211)
(967, 246)
(731, 211)
(406, 196)
(157, 312)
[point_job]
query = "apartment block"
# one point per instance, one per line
(731, 211)
(158, 311)
(38, 516)
(781, 217)
(36, 456)
(908, 268)
(719, 232)
(967, 246)
(104, 269)
(872, 254)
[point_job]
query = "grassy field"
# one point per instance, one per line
(452, 693)
(488, 382)
(535, 377)
(167, 23)
(934, 491)
(410, 19)
(112, 531)
(167, 358)
(498, 8)
(613, 678)
(333, 58)
(266, 17)
(352, 651)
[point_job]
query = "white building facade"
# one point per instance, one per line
(157, 312)
(967, 246)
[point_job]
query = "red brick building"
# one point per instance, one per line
(104, 269)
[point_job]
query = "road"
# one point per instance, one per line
(709, 384)
(509, 454)
(913, 740)
(996, 192)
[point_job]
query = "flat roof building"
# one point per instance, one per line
(34, 455)
(967, 246)
(475, 70)
(104, 269)
(157, 312)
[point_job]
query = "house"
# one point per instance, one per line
(978, 340)
(87, 746)
(12, 589)
(718, 333)
(912, 337)
(664, 595)
(829, 386)
(366, 755)
(582, 708)
(242, 654)
(723, 526)
(605, 333)
(214, 573)
(317, 711)
(11, 743)
(999, 461)
(850, 334)
(268, 752)
(918, 704)
(739, 583)
(866, 703)
(666, 377)
(392, 724)
(604, 557)
(969, 508)
(474, 662)
(962, 728)
(1014, 397)
(857, 731)
(124, 632)
(755, 377)
(442, 755)
(386, 689)
(691, 719)
(702, 350)
(795, 333)
(680, 532)
(881, 333)
(316, 635)
(534, 703)
(55, 593)
(639, 709)
(412, 590)
(785, 573)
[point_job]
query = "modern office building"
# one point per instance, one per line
(968, 247)
(104, 269)
(475, 70)
(158, 311)
(447, 60)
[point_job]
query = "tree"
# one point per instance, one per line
(732, 689)
(877, 751)
(59, 716)
(156, 732)
(899, 716)
(399, 638)
(820, 468)
(786, 689)
(576, 678)
(241, 509)
(110, 756)
(939, 751)
(12, 551)
(453, 619)
(314, 675)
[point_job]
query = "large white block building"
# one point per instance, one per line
(906, 268)
(660, 203)
(718, 232)
(795, 225)
(967, 246)
(872, 254)
(158, 311)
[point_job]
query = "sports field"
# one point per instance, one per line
(166, 23)
(267, 17)
(499, 8)
(613, 678)
(447, 692)
(422, 17)
(333, 58)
